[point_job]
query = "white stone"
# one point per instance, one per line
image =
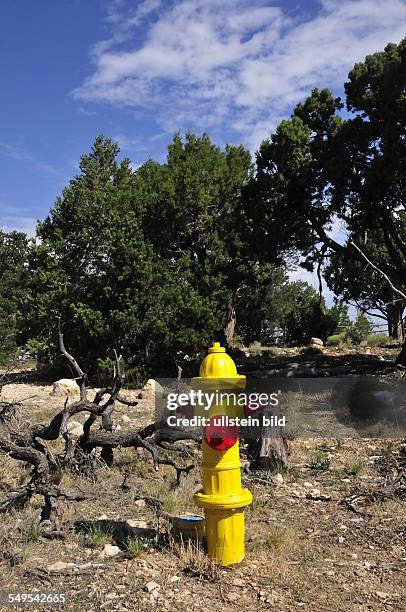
(125, 418)
(151, 389)
(65, 387)
(278, 479)
(59, 566)
(316, 342)
(137, 524)
(75, 429)
(110, 551)
(151, 586)
(174, 579)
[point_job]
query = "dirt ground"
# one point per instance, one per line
(306, 549)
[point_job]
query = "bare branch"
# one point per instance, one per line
(75, 366)
(385, 276)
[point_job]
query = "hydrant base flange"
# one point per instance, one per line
(223, 502)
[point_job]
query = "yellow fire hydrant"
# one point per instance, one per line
(222, 497)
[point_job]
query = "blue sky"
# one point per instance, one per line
(138, 71)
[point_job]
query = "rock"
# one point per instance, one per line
(239, 582)
(137, 524)
(317, 496)
(383, 595)
(59, 566)
(278, 479)
(75, 429)
(151, 586)
(316, 342)
(65, 387)
(151, 390)
(125, 418)
(174, 579)
(140, 503)
(308, 485)
(110, 551)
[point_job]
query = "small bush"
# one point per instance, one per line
(311, 350)
(195, 562)
(96, 537)
(34, 533)
(378, 340)
(337, 339)
(356, 467)
(135, 546)
(319, 461)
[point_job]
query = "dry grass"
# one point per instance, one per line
(294, 557)
(194, 560)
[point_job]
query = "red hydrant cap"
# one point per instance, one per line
(220, 437)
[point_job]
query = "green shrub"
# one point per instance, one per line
(135, 546)
(319, 461)
(337, 339)
(360, 329)
(380, 339)
(356, 467)
(311, 350)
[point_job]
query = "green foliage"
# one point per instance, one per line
(360, 329)
(97, 536)
(156, 263)
(356, 467)
(136, 545)
(318, 169)
(281, 311)
(337, 339)
(13, 290)
(378, 340)
(319, 461)
(34, 533)
(143, 262)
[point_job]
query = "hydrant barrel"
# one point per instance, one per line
(222, 497)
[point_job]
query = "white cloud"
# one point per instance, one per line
(9, 223)
(232, 64)
(19, 154)
(14, 152)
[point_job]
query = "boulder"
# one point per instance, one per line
(110, 551)
(151, 390)
(60, 566)
(75, 429)
(65, 387)
(316, 342)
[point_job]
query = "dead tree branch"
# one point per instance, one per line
(29, 446)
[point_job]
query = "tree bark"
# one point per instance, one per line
(401, 359)
(269, 452)
(396, 327)
(231, 323)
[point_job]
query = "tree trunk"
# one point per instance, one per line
(401, 359)
(231, 323)
(396, 327)
(269, 451)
